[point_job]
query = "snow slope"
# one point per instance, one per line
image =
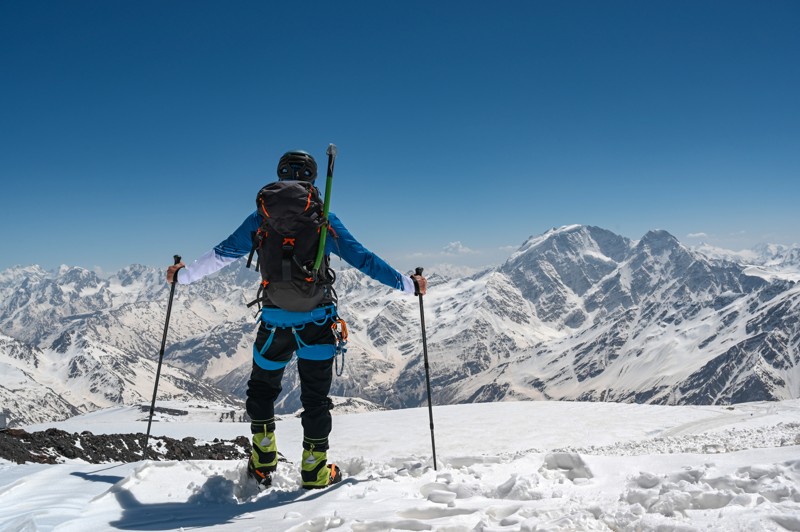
(501, 466)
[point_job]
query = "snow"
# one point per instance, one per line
(526, 466)
(771, 274)
(771, 262)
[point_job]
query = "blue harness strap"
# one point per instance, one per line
(317, 352)
(284, 318)
(258, 355)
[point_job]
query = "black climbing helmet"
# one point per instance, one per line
(299, 165)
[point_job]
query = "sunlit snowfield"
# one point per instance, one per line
(501, 466)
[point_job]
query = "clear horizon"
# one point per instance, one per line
(452, 250)
(135, 131)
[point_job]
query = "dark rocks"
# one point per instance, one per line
(54, 446)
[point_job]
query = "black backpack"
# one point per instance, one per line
(292, 215)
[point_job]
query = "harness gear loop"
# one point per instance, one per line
(339, 329)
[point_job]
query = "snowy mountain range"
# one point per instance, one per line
(578, 313)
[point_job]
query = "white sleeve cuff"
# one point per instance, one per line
(408, 285)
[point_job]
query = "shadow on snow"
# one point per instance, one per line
(199, 512)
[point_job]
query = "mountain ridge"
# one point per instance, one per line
(577, 313)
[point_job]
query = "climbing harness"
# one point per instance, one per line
(275, 318)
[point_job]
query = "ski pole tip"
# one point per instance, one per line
(332, 150)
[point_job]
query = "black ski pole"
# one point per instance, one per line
(427, 370)
(161, 357)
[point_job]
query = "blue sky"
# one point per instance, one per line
(133, 130)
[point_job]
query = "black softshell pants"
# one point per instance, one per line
(264, 385)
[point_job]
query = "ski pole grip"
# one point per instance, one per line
(177, 259)
(418, 271)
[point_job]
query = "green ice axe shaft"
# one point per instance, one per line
(327, 207)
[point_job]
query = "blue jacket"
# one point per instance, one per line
(340, 242)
